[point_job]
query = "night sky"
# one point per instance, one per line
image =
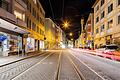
(70, 10)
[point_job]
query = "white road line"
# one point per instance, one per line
(30, 68)
(88, 67)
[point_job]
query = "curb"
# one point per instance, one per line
(22, 59)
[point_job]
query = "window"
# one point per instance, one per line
(102, 28)
(19, 15)
(110, 24)
(33, 11)
(119, 19)
(34, 1)
(97, 30)
(118, 2)
(97, 19)
(5, 5)
(97, 8)
(0, 3)
(102, 2)
(33, 26)
(30, 8)
(102, 14)
(110, 8)
(29, 24)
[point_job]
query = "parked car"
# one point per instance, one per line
(111, 49)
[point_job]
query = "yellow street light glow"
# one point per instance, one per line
(71, 34)
(66, 24)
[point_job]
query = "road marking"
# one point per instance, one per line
(57, 73)
(88, 67)
(80, 75)
(30, 68)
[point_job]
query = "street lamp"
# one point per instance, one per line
(66, 24)
(71, 39)
(71, 34)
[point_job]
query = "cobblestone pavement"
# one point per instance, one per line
(44, 70)
(10, 71)
(67, 71)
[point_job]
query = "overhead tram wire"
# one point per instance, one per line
(51, 9)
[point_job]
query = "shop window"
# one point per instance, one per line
(102, 14)
(110, 24)
(119, 19)
(97, 19)
(110, 8)
(102, 2)
(102, 28)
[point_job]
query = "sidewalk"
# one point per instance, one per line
(11, 59)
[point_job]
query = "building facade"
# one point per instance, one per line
(106, 22)
(34, 18)
(18, 22)
(54, 35)
(89, 27)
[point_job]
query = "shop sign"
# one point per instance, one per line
(2, 37)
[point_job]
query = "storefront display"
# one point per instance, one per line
(30, 44)
(41, 44)
(9, 43)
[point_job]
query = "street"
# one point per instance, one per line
(68, 64)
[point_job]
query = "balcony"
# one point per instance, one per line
(5, 14)
(21, 23)
(22, 4)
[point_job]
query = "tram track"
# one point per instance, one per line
(43, 70)
(67, 70)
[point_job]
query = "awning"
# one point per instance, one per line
(12, 27)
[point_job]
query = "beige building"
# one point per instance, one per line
(21, 26)
(53, 35)
(89, 27)
(106, 22)
(35, 16)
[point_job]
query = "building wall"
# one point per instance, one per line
(34, 18)
(53, 34)
(25, 18)
(106, 35)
